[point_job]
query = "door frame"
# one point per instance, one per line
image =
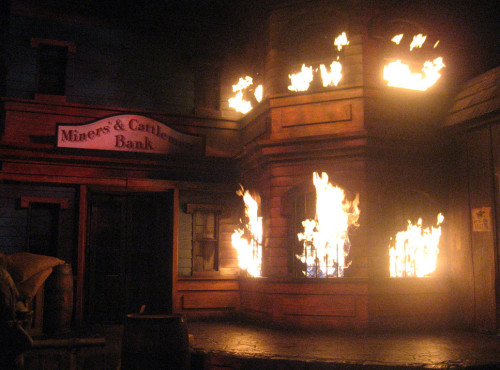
(148, 186)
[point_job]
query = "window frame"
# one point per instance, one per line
(215, 210)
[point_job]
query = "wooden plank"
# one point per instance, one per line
(319, 305)
(256, 301)
(317, 113)
(193, 300)
(63, 202)
(192, 284)
(408, 305)
(82, 242)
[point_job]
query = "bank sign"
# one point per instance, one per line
(129, 133)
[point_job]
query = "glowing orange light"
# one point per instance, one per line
(414, 251)
(237, 102)
(340, 41)
(300, 81)
(248, 240)
(325, 239)
(398, 74)
(418, 41)
(397, 39)
(333, 77)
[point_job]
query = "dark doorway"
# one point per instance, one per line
(129, 255)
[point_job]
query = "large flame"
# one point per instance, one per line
(399, 74)
(248, 240)
(237, 102)
(414, 251)
(325, 239)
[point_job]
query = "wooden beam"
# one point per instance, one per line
(82, 241)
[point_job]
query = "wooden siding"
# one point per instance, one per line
(13, 218)
(357, 304)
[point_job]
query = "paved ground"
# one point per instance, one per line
(224, 345)
(307, 349)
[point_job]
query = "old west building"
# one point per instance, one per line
(120, 155)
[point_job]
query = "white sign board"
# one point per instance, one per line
(129, 133)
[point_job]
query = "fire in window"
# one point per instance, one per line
(413, 252)
(323, 234)
(247, 240)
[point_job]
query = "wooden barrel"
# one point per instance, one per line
(58, 300)
(155, 342)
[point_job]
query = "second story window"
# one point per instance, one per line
(52, 60)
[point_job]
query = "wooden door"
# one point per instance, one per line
(129, 258)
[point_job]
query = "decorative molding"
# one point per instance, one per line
(26, 201)
(36, 42)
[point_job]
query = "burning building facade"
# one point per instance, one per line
(224, 208)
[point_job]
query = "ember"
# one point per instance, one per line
(326, 238)
(248, 240)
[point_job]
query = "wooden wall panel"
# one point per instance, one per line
(481, 193)
(13, 218)
(319, 305)
(212, 299)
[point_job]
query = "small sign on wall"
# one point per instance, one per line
(481, 219)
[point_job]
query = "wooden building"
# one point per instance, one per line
(121, 155)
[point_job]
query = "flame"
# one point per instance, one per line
(333, 77)
(436, 44)
(243, 83)
(418, 41)
(258, 93)
(398, 74)
(248, 240)
(340, 41)
(397, 39)
(415, 250)
(237, 102)
(325, 239)
(300, 81)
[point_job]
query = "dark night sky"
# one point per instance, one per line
(469, 28)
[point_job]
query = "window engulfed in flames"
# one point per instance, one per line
(301, 81)
(414, 251)
(244, 86)
(248, 240)
(399, 74)
(326, 238)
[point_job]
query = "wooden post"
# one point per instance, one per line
(82, 241)
(176, 307)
